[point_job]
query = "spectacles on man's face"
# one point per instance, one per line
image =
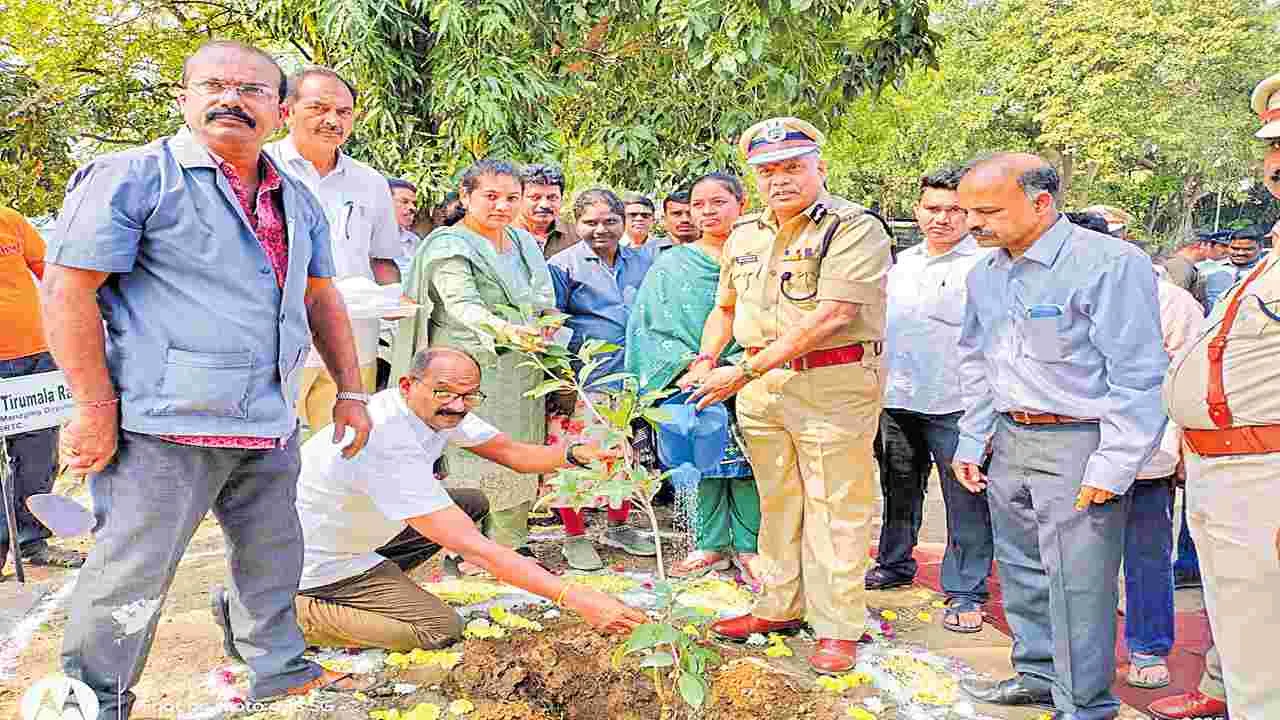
(218, 88)
(471, 399)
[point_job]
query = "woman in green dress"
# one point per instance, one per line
(460, 275)
(664, 333)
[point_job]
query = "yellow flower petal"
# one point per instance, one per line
(924, 617)
(888, 615)
(858, 713)
(938, 604)
(461, 707)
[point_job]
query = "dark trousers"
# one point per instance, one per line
(1148, 568)
(382, 607)
(33, 458)
(909, 443)
(1187, 562)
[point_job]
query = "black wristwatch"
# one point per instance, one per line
(572, 459)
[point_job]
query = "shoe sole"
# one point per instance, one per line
(721, 566)
(222, 616)
(830, 673)
(621, 546)
(1158, 716)
(890, 585)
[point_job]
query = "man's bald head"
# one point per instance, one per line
(442, 387)
(1010, 199)
(450, 359)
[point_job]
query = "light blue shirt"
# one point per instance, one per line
(1217, 276)
(926, 307)
(1073, 328)
(597, 297)
(201, 339)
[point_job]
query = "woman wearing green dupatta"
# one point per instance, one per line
(663, 336)
(459, 276)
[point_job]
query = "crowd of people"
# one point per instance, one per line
(195, 296)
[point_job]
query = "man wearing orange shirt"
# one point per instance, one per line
(32, 455)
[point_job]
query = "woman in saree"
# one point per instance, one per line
(663, 337)
(460, 275)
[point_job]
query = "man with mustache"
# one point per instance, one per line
(370, 520)
(1061, 360)
(212, 271)
(923, 404)
(802, 288)
(540, 214)
(1221, 393)
(677, 217)
(364, 234)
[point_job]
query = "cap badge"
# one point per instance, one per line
(775, 132)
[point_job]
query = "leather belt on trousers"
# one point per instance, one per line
(1246, 440)
(1030, 418)
(831, 356)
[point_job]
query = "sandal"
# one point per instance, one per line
(745, 562)
(699, 563)
(1140, 663)
(328, 681)
(951, 618)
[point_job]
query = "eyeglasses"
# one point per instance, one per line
(471, 399)
(218, 88)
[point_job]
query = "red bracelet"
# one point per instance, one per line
(703, 356)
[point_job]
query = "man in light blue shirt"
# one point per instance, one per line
(922, 408)
(1062, 360)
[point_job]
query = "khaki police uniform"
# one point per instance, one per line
(1223, 393)
(809, 432)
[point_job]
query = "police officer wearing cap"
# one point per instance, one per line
(802, 288)
(1222, 394)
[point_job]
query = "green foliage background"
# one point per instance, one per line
(1139, 103)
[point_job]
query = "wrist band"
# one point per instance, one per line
(355, 396)
(572, 459)
(745, 365)
(563, 592)
(97, 403)
(704, 356)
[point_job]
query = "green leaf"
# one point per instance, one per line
(657, 415)
(660, 658)
(693, 689)
(546, 388)
(643, 637)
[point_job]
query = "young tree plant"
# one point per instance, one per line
(615, 404)
(673, 647)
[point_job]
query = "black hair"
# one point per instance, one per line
(1255, 233)
(295, 81)
(1089, 221)
(401, 184)
(676, 196)
(595, 196)
(726, 180)
(449, 217)
(635, 198)
(236, 45)
(541, 174)
(488, 168)
(947, 178)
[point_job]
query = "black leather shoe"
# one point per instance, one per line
(221, 608)
(1013, 691)
(880, 579)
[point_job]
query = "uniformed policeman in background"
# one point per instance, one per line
(802, 288)
(1222, 393)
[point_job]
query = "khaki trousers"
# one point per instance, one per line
(383, 607)
(809, 436)
(1231, 509)
(319, 392)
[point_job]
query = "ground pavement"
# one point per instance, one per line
(181, 678)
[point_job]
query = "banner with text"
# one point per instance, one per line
(34, 402)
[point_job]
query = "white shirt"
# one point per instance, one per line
(362, 225)
(926, 308)
(408, 246)
(1181, 316)
(350, 508)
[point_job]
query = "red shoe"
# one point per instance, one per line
(1189, 705)
(744, 626)
(834, 656)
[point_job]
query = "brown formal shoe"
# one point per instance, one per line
(834, 656)
(1188, 705)
(744, 626)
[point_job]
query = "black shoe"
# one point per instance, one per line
(221, 608)
(1014, 691)
(879, 578)
(1186, 581)
(49, 556)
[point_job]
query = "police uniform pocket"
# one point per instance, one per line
(206, 384)
(1256, 317)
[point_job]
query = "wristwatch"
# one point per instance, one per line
(356, 396)
(572, 459)
(745, 365)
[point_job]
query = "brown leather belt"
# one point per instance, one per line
(831, 356)
(1246, 440)
(1028, 418)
